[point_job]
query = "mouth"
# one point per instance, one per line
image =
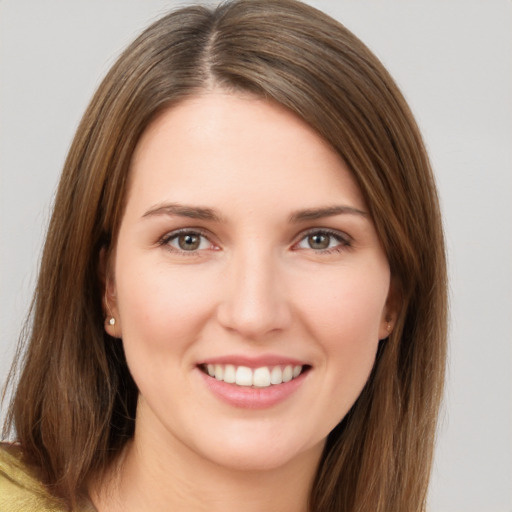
(261, 377)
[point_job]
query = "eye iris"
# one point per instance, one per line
(189, 242)
(319, 241)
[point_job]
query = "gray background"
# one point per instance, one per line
(452, 59)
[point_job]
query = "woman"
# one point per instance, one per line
(242, 296)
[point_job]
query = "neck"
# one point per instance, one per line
(151, 476)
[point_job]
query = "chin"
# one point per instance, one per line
(262, 456)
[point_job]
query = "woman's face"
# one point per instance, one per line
(245, 254)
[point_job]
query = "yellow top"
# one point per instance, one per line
(21, 490)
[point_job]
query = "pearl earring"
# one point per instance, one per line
(112, 321)
(389, 325)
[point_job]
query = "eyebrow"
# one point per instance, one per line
(182, 210)
(204, 213)
(328, 211)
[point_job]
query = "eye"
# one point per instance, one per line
(186, 241)
(324, 241)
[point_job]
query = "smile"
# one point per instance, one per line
(261, 377)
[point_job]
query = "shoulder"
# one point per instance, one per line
(20, 489)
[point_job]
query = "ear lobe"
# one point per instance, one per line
(112, 321)
(109, 301)
(386, 327)
(391, 311)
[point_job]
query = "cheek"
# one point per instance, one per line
(343, 313)
(162, 308)
(350, 299)
(341, 310)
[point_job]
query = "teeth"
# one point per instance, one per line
(276, 376)
(243, 376)
(262, 377)
(287, 373)
(219, 372)
(229, 374)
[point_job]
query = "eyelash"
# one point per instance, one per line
(343, 239)
(169, 237)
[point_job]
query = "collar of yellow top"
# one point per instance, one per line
(20, 486)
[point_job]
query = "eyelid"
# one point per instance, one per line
(344, 239)
(170, 235)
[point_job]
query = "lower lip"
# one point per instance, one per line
(252, 397)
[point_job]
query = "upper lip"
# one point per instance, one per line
(254, 362)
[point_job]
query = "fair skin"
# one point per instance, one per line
(245, 243)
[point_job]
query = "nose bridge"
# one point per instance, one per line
(255, 302)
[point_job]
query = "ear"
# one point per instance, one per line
(391, 310)
(112, 322)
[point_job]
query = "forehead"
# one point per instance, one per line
(221, 148)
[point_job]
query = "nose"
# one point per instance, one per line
(255, 303)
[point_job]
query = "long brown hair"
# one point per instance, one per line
(74, 405)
